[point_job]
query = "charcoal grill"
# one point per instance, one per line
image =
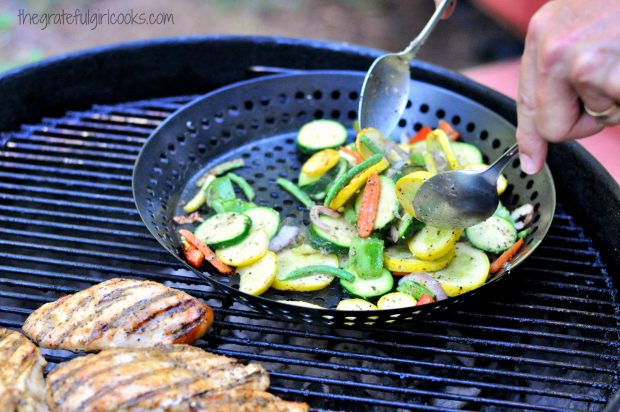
(546, 339)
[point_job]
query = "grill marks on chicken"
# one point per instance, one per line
(119, 313)
(171, 377)
(22, 387)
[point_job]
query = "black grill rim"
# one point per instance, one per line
(173, 66)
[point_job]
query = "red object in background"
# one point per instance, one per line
(515, 15)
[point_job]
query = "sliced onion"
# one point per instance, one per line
(315, 213)
(404, 138)
(522, 216)
(285, 237)
(394, 233)
(428, 281)
(401, 152)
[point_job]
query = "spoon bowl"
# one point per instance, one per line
(385, 90)
(461, 198)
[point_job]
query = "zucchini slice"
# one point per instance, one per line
(355, 304)
(431, 243)
(224, 229)
(399, 259)
(493, 235)
(405, 227)
(321, 134)
(251, 249)
(368, 288)
(291, 259)
(265, 218)
(469, 270)
(466, 154)
(396, 300)
(337, 239)
(388, 203)
(258, 277)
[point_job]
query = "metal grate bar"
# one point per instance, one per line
(409, 362)
(88, 229)
(101, 127)
(87, 241)
(80, 135)
(420, 377)
(85, 185)
(64, 203)
(65, 160)
(89, 253)
(71, 143)
(60, 150)
(412, 334)
(66, 193)
(407, 391)
(65, 171)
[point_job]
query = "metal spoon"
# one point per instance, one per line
(386, 87)
(461, 198)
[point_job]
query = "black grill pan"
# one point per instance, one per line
(258, 120)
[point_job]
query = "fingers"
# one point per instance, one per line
(594, 74)
(532, 147)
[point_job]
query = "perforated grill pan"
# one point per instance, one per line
(258, 119)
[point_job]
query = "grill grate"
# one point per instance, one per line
(545, 340)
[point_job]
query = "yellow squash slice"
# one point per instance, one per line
(258, 277)
(431, 243)
(400, 259)
(251, 249)
(468, 270)
(407, 186)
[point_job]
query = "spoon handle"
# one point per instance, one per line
(496, 168)
(409, 53)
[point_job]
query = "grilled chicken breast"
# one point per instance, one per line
(119, 313)
(168, 378)
(240, 400)
(22, 388)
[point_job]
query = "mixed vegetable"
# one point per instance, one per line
(363, 229)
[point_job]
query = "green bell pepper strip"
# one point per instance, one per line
(294, 190)
(220, 189)
(414, 289)
(370, 145)
(231, 205)
(200, 197)
(367, 256)
(323, 269)
(221, 169)
(243, 185)
(523, 233)
(417, 159)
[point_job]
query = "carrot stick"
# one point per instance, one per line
(421, 135)
(205, 250)
(352, 153)
(424, 299)
(194, 256)
(369, 206)
(447, 127)
(506, 256)
(400, 273)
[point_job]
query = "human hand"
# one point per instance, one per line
(449, 10)
(571, 61)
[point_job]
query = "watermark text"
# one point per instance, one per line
(93, 18)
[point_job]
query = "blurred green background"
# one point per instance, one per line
(466, 39)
